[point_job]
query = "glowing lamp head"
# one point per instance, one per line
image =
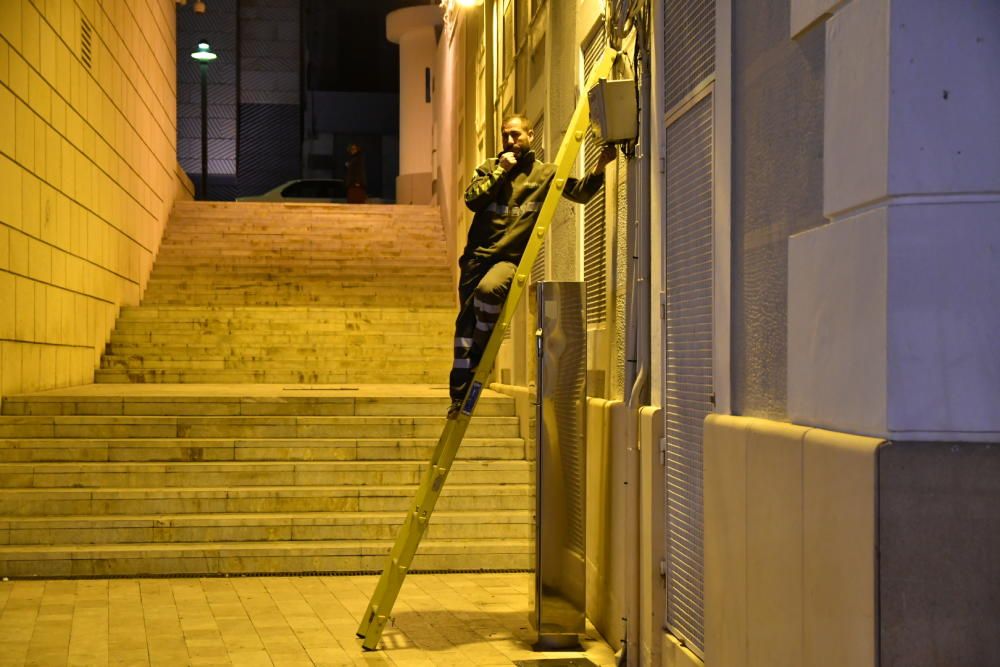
(466, 4)
(203, 54)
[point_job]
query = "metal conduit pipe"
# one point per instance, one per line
(636, 331)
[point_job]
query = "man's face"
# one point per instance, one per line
(516, 138)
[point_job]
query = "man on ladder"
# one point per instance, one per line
(523, 206)
(506, 194)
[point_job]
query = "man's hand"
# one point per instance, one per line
(607, 156)
(508, 161)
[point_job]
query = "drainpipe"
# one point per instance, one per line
(637, 342)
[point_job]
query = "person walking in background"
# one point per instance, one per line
(505, 194)
(355, 179)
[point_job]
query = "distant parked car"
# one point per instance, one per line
(305, 190)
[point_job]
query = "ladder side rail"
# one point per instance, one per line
(410, 533)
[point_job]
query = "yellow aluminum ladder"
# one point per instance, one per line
(412, 530)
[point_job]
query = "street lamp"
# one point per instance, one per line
(204, 56)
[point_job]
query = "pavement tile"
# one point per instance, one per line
(439, 621)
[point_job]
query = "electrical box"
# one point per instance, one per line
(614, 112)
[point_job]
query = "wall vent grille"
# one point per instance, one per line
(595, 233)
(538, 146)
(86, 43)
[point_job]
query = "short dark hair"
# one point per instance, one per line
(525, 121)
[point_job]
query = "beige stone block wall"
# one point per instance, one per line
(88, 175)
(606, 547)
(790, 545)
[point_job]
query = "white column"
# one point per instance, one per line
(413, 29)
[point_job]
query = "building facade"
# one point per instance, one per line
(793, 380)
(793, 292)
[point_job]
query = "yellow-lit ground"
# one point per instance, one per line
(453, 619)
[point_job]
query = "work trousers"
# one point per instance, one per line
(482, 289)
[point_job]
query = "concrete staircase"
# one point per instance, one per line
(291, 293)
(266, 409)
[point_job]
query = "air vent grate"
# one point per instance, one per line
(538, 146)
(595, 235)
(86, 38)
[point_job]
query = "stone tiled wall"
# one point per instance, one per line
(88, 174)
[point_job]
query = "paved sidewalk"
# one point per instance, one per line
(454, 619)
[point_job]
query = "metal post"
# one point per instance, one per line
(204, 131)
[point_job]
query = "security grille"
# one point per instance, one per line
(688, 362)
(538, 146)
(595, 236)
(688, 47)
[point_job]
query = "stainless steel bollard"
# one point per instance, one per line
(559, 593)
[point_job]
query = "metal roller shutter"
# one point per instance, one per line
(688, 47)
(595, 235)
(688, 68)
(688, 362)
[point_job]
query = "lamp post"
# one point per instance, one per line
(204, 56)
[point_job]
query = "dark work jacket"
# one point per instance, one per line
(506, 205)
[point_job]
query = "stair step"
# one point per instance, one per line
(331, 363)
(162, 376)
(248, 557)
(208, 316)
(251, 449)
(252, 342)
(293, 313)
(133, 426)
(210, 324)
(331, 335)
(255, 473)
(315, 356)
(385, 289)
(249, 299)
(262, 527)
(374, 286)
(307, 242)
(272, 498)
(257, 401)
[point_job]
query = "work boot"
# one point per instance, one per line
(454, 409)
